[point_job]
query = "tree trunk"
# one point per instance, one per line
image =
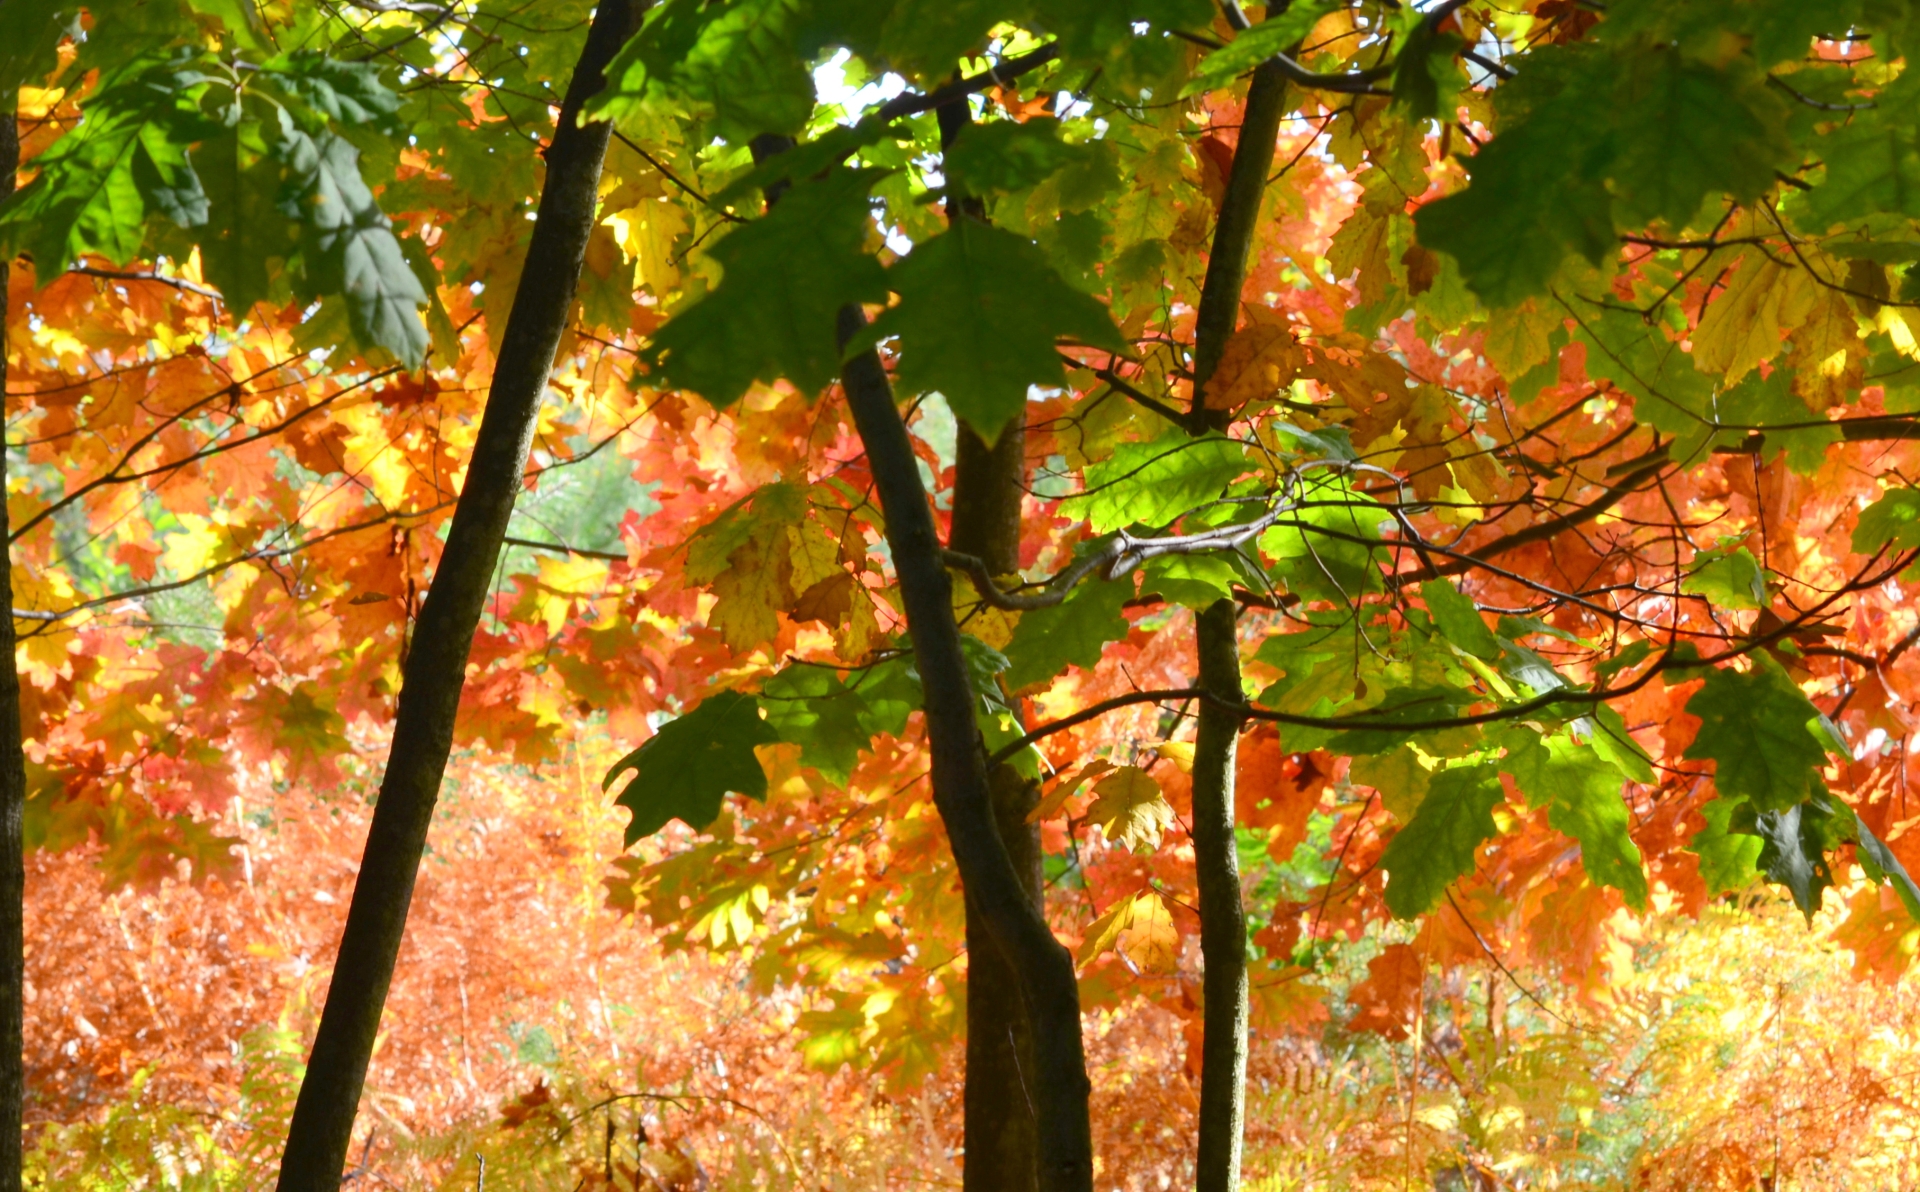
(1000, 1114)
(13, 779)
(961, 787)
(1000, 1118)
(1223, 916)
(435, 668)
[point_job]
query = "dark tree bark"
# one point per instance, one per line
(962, 790)
(435, 667)
(13, 781)
(1002, 1138)
(1223, 916)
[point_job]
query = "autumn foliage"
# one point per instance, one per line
(1554, 465)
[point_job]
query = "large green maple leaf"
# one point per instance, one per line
(1438, 844)
(772, 315)
(980, 317)
(686, 768)
(1754, 728)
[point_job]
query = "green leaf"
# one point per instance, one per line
(1458, 619)
(1629, 656)
(1728, 859)
(1581, 790)
(1323, 549)
(807, 158)
(1669, 393)
(1425, 75)
(834, 720)
(1771, 407)
(1794, 842)
(1606, 730)
(167, 179)
(1590, 135)
(1104, 31)
(686, 768)
(1153, 484)
(1196, 581)
(1275, 35)
(772, 315)
(347, 244)
(1686, 130)
(1893, 520)
(1074, 631)
(29, 41)
(1402, 705)
(736, 60)
(1753, 727)
(347, 92)
(1005, 155)
(983, 664)
(1529, 667)
(246, 231)
(1537, 194)
(1872, 160)
(1438, 844)
(1880, 864)
(918, 38)
(95, 184)
(980, 314)
(1727, 578)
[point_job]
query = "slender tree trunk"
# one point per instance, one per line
(1001, 1123)
(13, 778)
(1223, 916)
(1001, 1137)
(961, 786)
(436, 666)
(1002, 1119)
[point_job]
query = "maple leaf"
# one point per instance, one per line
(1142, 930)
(1458, 619)
(1129, 806)
(1753, 727)
(1153, 483)
(787, 274)
(1582, 793)
(1893, 520)
(981, 311)
(1385, 1001)
(1075, 631)
(1260, 360)
(686, 768)
(1439, 843)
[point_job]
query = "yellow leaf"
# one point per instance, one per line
(1361, 245)
(189, 551)
(647, 232)
(1152, 941)
(1064, 788)
(1102, 932)
(740, 919)
(1517, 338)
(991, 625)
(1130, 809)
(1762, 301)
(1828, 353)
(814, 555)
(1180, 753)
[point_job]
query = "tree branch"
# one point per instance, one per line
(178, 283)
(997, 75)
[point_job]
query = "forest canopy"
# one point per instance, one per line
(1079, 537)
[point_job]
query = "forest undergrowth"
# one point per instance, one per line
(564, 1045)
